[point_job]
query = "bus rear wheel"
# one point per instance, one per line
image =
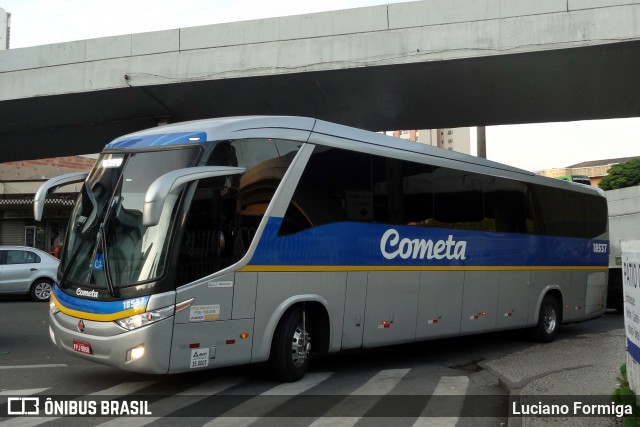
(548, 320)
(291, 346)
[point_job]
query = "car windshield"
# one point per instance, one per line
(106, 230)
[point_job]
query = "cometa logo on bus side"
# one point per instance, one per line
(392, 246)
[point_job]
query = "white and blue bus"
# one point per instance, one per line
(250, 239)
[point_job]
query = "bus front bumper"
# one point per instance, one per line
(145, 350)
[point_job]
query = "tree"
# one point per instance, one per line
(622, 175)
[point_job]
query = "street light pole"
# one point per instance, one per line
(482, 142)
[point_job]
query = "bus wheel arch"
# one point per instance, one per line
(549, 316)
(302, 329)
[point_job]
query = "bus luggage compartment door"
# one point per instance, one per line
(480, 301)
(391, 308)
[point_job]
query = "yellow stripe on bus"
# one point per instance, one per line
(95, 316)
(316, 268)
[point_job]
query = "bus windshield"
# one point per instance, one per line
(106, 230)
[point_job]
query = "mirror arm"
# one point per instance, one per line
(52, 184)
(159, 189)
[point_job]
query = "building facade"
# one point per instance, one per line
(5, 29)
(594, 169)
(19, 182)
(455, 139)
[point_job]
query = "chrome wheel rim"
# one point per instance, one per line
(300, 346)
(550, 319)
(43, 290)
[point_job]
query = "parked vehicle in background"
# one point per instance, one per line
(25, 270)
(624, 224)
(580, 179)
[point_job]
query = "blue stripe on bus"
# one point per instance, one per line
(97, 307)
(633, 350)
(163, 139)
(361, 244)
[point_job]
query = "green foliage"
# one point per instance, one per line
(622, 175)
(623, 395)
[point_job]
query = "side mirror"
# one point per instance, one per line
(159, 189)
(52, 184)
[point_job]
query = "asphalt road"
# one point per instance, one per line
(355, 387)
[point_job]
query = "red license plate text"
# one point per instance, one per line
(82, 347)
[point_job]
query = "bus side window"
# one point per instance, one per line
(335, 187)
(505, 204)
(205, 240)
(225, 212)
(566, 213)
(403, 192)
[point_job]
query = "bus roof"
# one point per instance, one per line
(324, 133)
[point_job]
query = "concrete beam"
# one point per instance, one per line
(431, 63)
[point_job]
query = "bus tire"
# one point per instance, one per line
(291, 346)
(548, 320)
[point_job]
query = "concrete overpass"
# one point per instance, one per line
(424, 64)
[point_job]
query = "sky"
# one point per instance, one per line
(532, 147)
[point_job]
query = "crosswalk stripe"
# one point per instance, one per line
(123, 388)
(336, 421)
(181, 400)
(382, 383)
(23, 392)
(308, 382)
(447, 386)
(379, 385)
(259, 407)
(118, 390)
(46, 366)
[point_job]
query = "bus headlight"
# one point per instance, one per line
(144, 319)
(53, 308)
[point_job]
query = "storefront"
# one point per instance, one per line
(18, 227)
(19, 181)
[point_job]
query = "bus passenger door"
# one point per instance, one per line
(392, 305)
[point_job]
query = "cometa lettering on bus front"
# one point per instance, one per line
(83, 293)
(392, 246)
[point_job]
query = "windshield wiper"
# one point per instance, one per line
(101, 263)
(105, 220)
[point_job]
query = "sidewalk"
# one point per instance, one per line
(582, 365)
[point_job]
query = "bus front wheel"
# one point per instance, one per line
(291, 346)
(548, 320)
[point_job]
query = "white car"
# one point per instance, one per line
(27, 270)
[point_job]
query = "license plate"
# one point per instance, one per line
(82, 347)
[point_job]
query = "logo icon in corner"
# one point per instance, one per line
(81, 326)
(98, 262)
